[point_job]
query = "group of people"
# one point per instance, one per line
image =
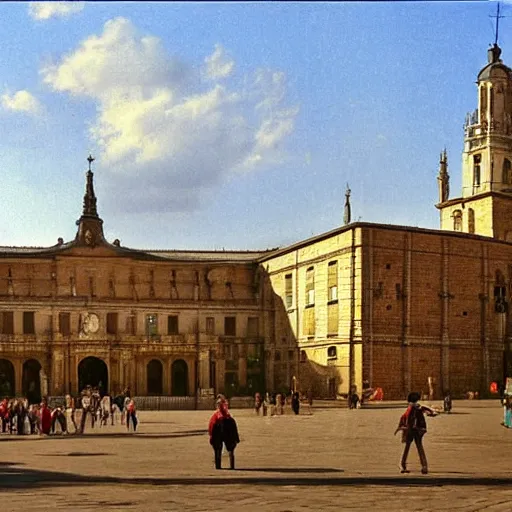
(273, 404)
(20, 417)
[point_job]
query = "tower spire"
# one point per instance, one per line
(89, 197)
(497, 16)
(347, 212)
(90, 226)
(443, 178)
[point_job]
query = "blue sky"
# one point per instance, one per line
(233, 125)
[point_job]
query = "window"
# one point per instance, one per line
(131, 324)
(332, 280)
(291, 355)
(309, 322)
(288, 291)
(172, 324)
(230, 326)
(303, 356)
(65, 324)
(7, 322)
(253, 326)
(310, 286)
(457, 220)
(28, 322)
(477, 159)
(332, 353)
(210, 325)
(151, 325)
(471, 220)
(507, 172)
(112, 319)
(277, 355)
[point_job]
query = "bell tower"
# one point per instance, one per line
(485, 207)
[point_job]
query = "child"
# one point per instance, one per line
(413, 427)
(507, 410)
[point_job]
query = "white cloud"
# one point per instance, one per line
(47, 10)
(165, 130)
(219, 64)
(21, 101)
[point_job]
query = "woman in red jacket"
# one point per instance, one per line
(223, 430)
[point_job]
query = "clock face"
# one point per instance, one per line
(91, 323)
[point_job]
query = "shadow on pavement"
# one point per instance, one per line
(126, 435)
(292, 470)
(12, 476)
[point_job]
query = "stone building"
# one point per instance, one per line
(393, 305)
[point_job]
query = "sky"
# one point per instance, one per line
(233, 126)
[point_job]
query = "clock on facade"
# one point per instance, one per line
(91, 323)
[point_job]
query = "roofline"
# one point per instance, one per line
(464, 200)
(372, 225)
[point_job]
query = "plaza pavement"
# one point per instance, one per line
(334, 459)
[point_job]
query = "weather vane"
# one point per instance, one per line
(90, 159)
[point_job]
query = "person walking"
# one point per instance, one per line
(413, 426)
(296, 402)
(223, 430)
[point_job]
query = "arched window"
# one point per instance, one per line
(507, 172)
(331, 353)
(457, 220)
(303, 356)
(471, 220)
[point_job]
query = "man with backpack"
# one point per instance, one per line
(413, 426)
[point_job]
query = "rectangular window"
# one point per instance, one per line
(131, 324)
(332, 319)
(7, 322)
(172, 324)
(477, 159)
(112, 319)
(65, 324)
(253, 326)
(309, 322)
(28, 323)
(310, 286)
(151, 325)
(210, 325)
(332, 280)
(230, 326)
(288, 291)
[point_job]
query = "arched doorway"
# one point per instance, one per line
(154, 372)
(31, 380)
(7, 381)
(93, 371)
(179, 378)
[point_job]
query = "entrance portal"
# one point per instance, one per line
(93, 371)
(6, 378)
(31, 381)
(154, 371)
(179, 381)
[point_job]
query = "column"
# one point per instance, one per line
(204, 369)
(18, 376)
(219, 377)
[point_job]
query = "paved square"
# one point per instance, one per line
(334, 459)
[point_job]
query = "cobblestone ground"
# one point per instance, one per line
(334, 459)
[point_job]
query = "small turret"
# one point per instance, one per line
(347, 212)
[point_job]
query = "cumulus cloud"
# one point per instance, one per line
(165, 128)
(218, 64)
(21, 101)
(47, 10)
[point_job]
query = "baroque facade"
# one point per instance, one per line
(393, 305)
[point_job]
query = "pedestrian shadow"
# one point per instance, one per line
(73, 454)
(292, 470)
(12, 476)
(106, 435)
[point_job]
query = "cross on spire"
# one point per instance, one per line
(90, 159)
(497, 16)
